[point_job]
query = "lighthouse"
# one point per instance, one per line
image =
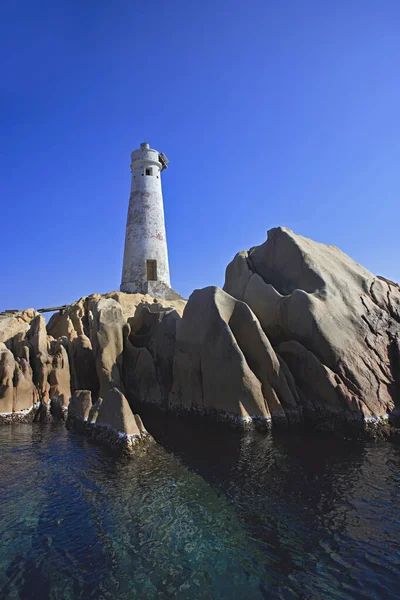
(145, 269)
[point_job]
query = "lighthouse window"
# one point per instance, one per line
(151, 270)
(149, 171)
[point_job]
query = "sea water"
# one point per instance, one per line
(205, 512)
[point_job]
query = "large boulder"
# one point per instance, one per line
(110, 421)
(13, 323)
(115, 413)
(60, 325)
(335, 324)
(224, 363)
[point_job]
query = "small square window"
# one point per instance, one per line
(149, 171)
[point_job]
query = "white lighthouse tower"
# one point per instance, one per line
(145, 269)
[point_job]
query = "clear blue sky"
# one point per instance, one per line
(271, 113)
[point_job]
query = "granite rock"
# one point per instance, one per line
(335, 324)
(224, 363)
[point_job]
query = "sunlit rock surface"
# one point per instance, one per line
(225, 363)
(335, 324)
(300, 334)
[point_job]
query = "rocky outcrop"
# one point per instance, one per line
(110, 422)
(85, 346)
(224, 363)
(50, 370)
(334, 323)
(74, 320)
(15, 322)
(36, 370)
(60, 325)
(299, 334)
(115, 413)
(18, 394)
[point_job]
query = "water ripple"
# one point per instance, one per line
(199, 515)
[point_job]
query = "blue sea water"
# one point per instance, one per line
(204, 513)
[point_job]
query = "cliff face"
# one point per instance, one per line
(299, 334)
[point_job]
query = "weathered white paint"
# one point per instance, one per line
(145, 237)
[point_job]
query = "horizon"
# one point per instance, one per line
(269, 115)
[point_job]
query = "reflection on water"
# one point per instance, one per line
(205, 513)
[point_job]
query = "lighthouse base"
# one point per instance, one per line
(157, 289)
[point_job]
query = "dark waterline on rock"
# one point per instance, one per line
(205, 513)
